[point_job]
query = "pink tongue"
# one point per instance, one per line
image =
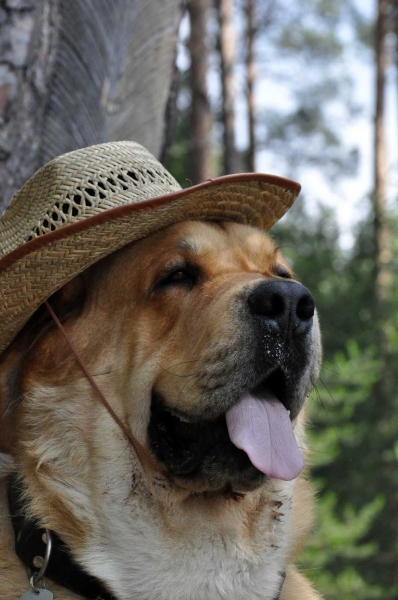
(262, 428)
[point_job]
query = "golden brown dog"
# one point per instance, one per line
(176, 330)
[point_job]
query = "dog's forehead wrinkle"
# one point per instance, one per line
(187, 245)
(234, 239)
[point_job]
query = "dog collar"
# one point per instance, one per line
(61, 567)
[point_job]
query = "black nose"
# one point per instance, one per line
(285, 306)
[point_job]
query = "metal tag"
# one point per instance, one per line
(39, 594)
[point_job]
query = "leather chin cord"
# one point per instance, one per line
(143, 455)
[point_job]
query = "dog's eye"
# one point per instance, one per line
(281, 271)
(187, 275)
(178, 276)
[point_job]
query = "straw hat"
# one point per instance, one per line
(84, 205)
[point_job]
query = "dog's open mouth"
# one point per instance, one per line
(255, 432)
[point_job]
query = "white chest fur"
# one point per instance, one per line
(200, 549)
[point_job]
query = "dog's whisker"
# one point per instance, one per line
(318, 397)
(326, 412)
(199, 377)
(184, 362)
(174, 374)
(328, 391)
(334, 364)
(199, 397)
(325, 368)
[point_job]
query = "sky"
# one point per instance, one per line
(350, 198)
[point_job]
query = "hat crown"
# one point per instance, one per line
(80, 184)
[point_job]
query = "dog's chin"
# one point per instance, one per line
(200, 455)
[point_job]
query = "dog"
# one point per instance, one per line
(180, 331)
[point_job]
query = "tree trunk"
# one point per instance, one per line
(201, 120)
(78, 72)
(226, 46)
(384, 389)
(250, 77)
(382, 231)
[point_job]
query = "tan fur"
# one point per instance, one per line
(82, 476)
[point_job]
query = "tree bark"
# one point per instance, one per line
(80, 72)
(250, 8)
(201, 119)
(227, 50)
(382, 233)
(28, 38)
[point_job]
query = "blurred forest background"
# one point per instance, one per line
(282, 76)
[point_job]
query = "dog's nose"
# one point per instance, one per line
(285, 306)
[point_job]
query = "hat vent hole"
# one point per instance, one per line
(123, 181)
(132, 175)
(87, 199)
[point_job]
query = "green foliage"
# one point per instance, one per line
(342, 552)
(338, 539)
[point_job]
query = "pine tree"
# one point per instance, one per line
(201, 116)
(226, 48)
(250, 12)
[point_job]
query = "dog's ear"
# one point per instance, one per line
(67, 301)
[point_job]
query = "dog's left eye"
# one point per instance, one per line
(178, 276)
(281, 271)
(187, 275)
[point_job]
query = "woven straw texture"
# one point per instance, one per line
(81, 184)
(87, 182)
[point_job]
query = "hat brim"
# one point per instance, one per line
(35, 270)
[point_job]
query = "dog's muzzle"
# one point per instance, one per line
(249, 431)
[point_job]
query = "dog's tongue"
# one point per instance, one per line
(262, 428)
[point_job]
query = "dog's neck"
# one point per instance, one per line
(130, 528)
(63, 570)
